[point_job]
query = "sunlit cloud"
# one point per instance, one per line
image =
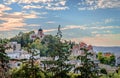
(13, 20)
(4, 8)
(101, 40)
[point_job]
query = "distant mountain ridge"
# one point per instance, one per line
(114, 49)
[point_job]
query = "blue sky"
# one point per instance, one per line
(96, 22)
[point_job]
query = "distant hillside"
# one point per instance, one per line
(115, 50)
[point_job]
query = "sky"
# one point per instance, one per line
(95, 22)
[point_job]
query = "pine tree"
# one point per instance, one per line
(58, 51)
(87, 67)
(4, 59)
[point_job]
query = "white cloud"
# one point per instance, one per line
(32, 6)
(50, 30)
(82, 27)
(38, 4)
(94, 32)
(4, 8)
(57, 8)
(107, 31)
(26, 1)
(105, 27)
(34, 25)
(83, 8)
(50, 22)
(67, 28)
(99, 33)
(108, 20)
(97, 4)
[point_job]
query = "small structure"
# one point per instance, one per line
(117, 63)
(39, 35)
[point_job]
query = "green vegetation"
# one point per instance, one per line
(4, 59)
(26, 71)
(108, 59)
(112, 75)
(59, 52)
(23, 38)
(87, 67)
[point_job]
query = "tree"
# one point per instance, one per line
(4, 59)
(22, 38)
(29, 68)
(110, 60)
(25, 71)
(87, 67)
(39, 46)
(58, 51)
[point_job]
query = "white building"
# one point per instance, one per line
(17, 54)
(76, 51)
(117, 60)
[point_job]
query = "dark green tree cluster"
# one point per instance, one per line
(109, 60)
(4, 59)
(58, 51)
(87, 68)
(26, 71)
(40, 46)
(22, 38)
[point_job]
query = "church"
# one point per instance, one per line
(39, 35)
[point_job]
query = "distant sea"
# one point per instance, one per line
(115, 50)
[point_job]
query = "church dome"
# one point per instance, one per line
(40, 29)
